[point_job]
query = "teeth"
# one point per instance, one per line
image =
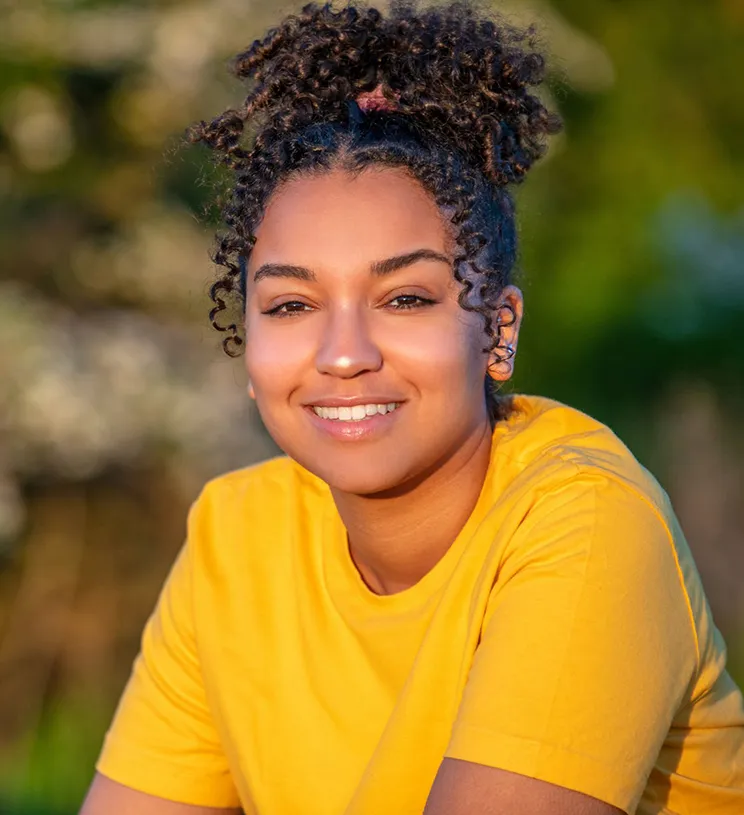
(357, 413)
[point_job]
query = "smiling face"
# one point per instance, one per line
(351, 312)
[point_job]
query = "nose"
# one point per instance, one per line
(347, 348)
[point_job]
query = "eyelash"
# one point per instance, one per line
(277, 310)
(422, 302)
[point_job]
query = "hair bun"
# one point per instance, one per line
(461, 76)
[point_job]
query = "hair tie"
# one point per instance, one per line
(376, 100)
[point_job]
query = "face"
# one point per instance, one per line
(364, 367)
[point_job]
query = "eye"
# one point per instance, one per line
(406, 301)
(287, 309)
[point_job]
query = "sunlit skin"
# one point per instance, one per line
(335, 328)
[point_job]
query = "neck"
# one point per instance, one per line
(398, 538)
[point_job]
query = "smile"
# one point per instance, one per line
(355, 413)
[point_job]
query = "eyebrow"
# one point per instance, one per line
(379, 268)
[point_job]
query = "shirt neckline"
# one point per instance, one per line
(344, 577)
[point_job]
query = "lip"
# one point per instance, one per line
(351, 401)
(369, 428)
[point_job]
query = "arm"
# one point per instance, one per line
(586, 652)
(107, 797)
(164, 741)
(466, 788)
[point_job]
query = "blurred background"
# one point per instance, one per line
(116, 402)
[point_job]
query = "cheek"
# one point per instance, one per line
(446, 353)
(275, 355)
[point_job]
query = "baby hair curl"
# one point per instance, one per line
(465, 125)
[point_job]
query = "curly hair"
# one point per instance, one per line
(464, 125)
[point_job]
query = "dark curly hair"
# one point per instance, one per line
(465, 125)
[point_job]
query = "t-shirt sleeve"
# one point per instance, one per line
(588, 646)
(163, 740)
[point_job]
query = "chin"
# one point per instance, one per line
(367, 476)
(368, 480)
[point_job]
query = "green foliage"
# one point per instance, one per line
(49, 770)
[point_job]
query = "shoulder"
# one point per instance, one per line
(278, 484)
(568, 481)
(275, 474)
(550, 444)
(584, 498)
(239, 513)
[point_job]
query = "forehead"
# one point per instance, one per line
(321, 219)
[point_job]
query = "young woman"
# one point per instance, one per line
(442, 600)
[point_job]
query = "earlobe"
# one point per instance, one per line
(500, 369)
(250, 390)
(500, 364)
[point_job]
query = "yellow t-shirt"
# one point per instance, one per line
(564, 636)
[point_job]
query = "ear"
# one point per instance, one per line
(251, 392)
(507, 319)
